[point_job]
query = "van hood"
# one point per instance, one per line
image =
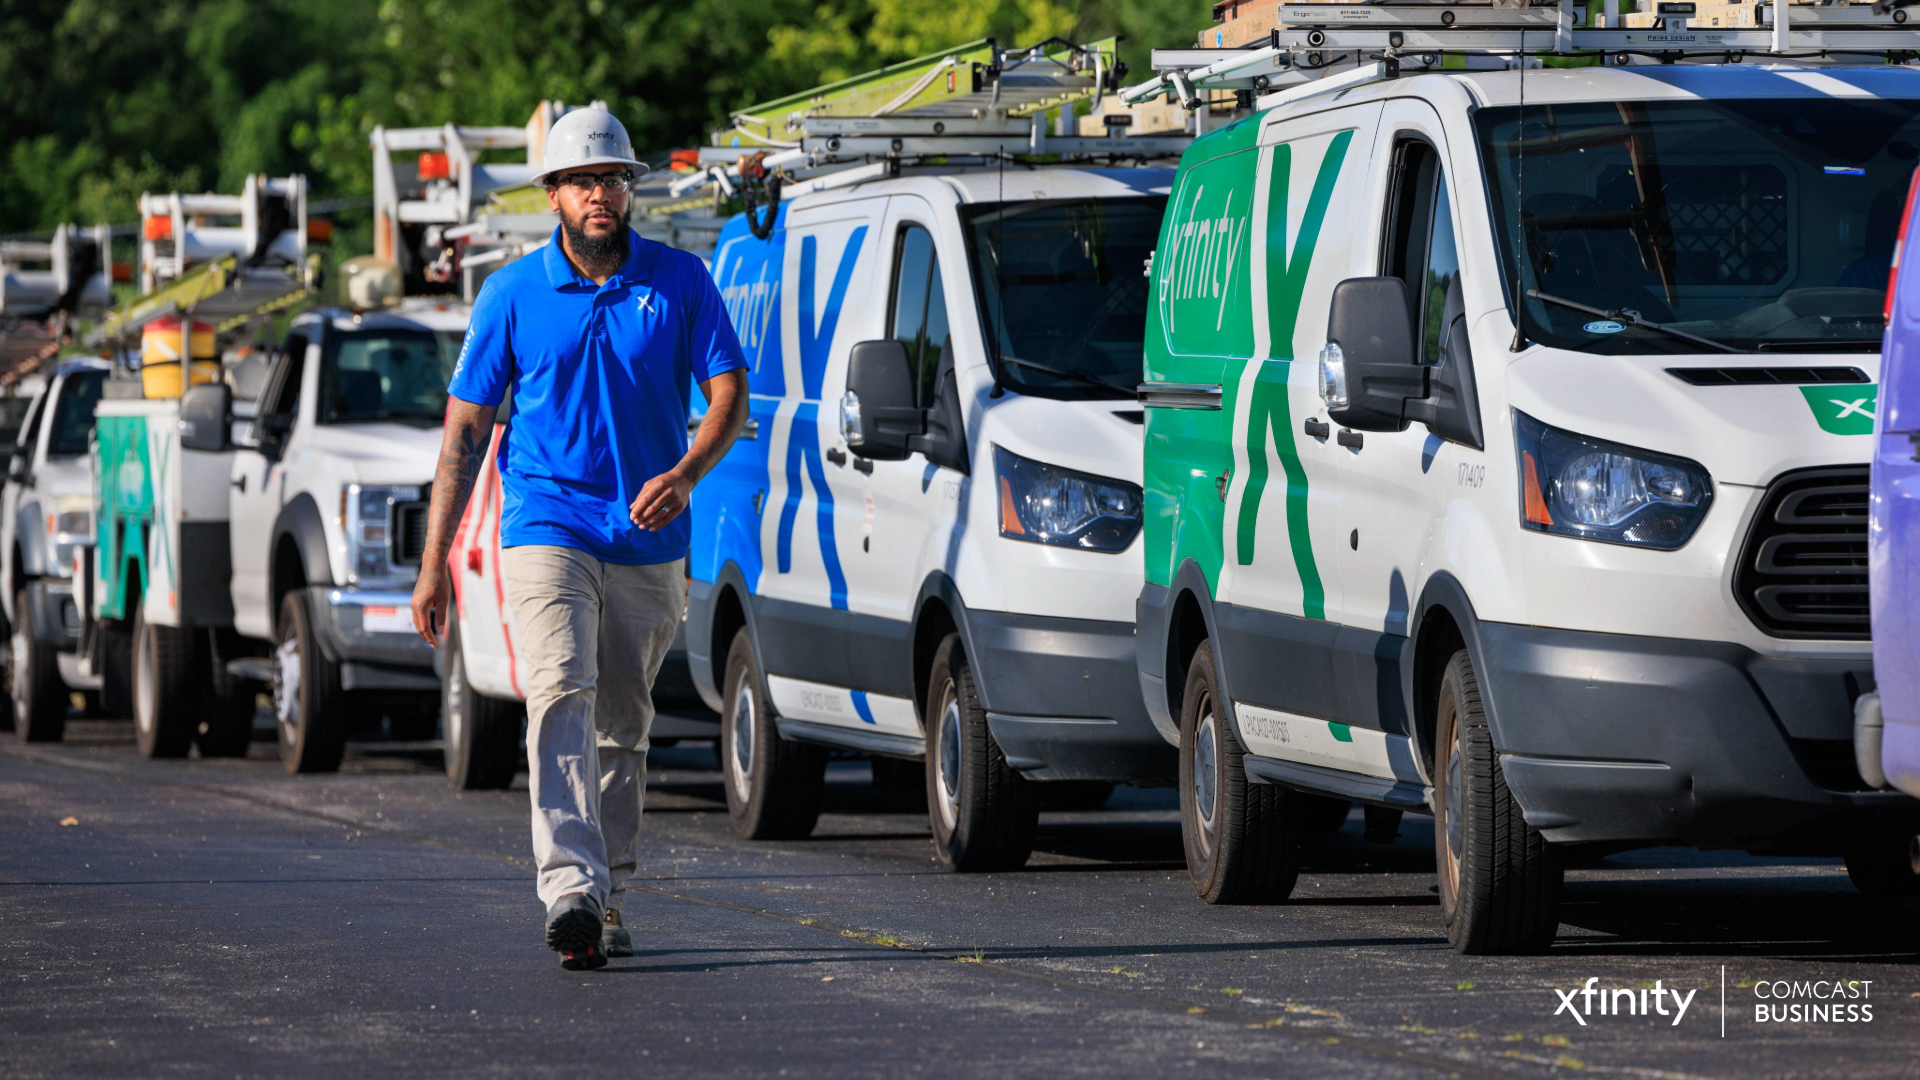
(1103, 438)
(1742, 432)
(379, 453)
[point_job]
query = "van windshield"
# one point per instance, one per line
(1763, 224)
(397, 376)
(1063, 291)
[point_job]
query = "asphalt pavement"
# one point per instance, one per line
(219, 918)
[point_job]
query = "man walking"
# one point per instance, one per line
(596, 337)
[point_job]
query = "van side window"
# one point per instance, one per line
(1419, 240)
(919, 314)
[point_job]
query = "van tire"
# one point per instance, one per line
(39, 695)
(116, 667)
(168, 697)
(484, 742)
(1888, 867)
(227, 730)
(1242, 839)
(309, 706)
(984, 813)
(775, 787)
(1499, 878)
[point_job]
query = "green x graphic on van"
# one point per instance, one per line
(1843, 410)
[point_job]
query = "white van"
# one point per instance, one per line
(1598, 579)
(938, 564)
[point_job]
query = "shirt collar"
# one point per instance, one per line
(642, 254)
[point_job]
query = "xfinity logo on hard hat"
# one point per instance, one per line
(599, 134)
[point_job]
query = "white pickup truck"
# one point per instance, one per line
(274, 541)
(46, 514)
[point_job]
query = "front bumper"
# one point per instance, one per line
(1609, 737)
(382, 658)
(1062, 699)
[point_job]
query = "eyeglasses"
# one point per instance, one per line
(614, 182)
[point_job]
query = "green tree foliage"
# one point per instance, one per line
(103, 99)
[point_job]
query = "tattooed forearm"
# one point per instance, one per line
(462, 450)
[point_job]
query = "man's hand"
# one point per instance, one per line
(661, 499)
(431, 594)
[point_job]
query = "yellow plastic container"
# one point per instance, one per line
(160, 352)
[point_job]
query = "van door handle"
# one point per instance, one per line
(865, 465)
(837, 456)
(1318, 429)
(240, 482)
(1351, 438)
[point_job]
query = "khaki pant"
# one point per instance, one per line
(591, 638)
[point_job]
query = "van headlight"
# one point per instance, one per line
(1042, 504)
(366, 519)
(1576, 486)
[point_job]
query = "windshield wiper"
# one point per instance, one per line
(1630, 317)
(1074, 375)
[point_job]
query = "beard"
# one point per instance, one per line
(610, 248)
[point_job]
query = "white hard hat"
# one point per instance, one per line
(587, 137)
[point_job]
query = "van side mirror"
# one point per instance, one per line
(18, 461)
(206, 417)
(1370, 368)
(877, 413)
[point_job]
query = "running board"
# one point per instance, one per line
(1399, 794)
(870, 742)
(257, 668)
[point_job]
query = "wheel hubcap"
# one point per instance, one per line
(17, 647)
(740, 728)
(1206, 754)
(947, 777)
(286, 688)
(144, 692)
(456, 706)
(1454, 802)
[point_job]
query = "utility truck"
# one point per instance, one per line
(46, 506)
(1507, 440)
(923, 547)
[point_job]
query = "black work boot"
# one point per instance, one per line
(614, 939)
(573, 931)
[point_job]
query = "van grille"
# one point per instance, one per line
(1803, 570)
(409, 532)
(1766, 376)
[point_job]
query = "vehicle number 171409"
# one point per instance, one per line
(1470, 475)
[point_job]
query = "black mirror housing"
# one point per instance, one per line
(1369, 323)
(878, 417)
(206, 417)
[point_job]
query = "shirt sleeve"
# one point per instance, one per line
(713, 347)
(485, 368)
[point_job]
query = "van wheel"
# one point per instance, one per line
(1888, 867)
(775, 787)
(1242, 839)
(984, 813)
(167, 699)
(116, 667)
(227, 730)
(483, 741)
(39, 695)
(1499, 878)
(307, 700)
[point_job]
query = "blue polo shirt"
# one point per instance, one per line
(600, 377)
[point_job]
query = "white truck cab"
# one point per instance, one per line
(46, 513)
(1515, 469)
(925, 547)
(274, 539)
